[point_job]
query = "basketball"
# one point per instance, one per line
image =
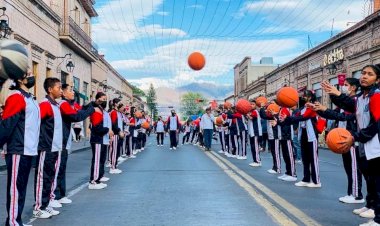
(260, 101)
(227, 105)
(273, 108)
(138, 114)
(196, 61)
(243, 106)
(287, 97)
(334, 137)
(145, 125)
(14, 59)
(219, 121)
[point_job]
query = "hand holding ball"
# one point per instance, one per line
(339, 140)
(287, 97)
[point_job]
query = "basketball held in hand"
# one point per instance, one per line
(145, 125)
(287, 97)
(337, 140)
(243, 106)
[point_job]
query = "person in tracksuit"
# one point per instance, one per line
(49, 148)
(71, 112)
(273, 138)
(159, 128)
(141, 136)
(107, 123)
(19, 129)
(173, 125)
(133, 131)
(238, 135)
(287, 134)
(221, 129)
(117, 125)
(127, 145)
(100, 131)
(347, 120)
(194, 135)
(186, 134)
(308, 137)
(366, 109)
(254, 131)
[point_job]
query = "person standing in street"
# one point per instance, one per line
(207, 128)
(186, 131)
(117, 128)
(160, 130)
(173, 127)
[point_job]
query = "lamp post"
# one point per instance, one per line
(69, 65)
(5, 30)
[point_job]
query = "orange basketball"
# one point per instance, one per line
(243, 106)
(227, 105)
(273, 107)
(261, 101)
(196, 61)
(287, 97)
(145, 125)
(334, 137)
(219, 121)
(138, 114)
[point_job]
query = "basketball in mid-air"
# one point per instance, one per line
(13, 59)
(227, 105)
(243, 106)
(287, 97)
(196, 61)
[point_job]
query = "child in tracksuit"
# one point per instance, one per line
(117, 126)
(254, 131)
(238, 134)
(49, 149)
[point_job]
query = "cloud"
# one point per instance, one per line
(163, 13)
(196, 6)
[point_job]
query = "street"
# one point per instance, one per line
(192, 187)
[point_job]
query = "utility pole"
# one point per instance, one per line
(332, 27)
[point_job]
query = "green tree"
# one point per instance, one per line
(137, 91)
(151, 101)
(192, 104)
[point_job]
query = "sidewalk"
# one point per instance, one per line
(75, 147)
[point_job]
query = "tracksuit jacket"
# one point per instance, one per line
(98, 130)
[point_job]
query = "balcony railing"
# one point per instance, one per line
(79, 36)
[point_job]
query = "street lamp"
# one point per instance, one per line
(332, 68)
(5, 30)
(69, 65)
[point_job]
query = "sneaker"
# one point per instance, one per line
(134, 152)
(234, 156)
(244, 157)
(228, 155)
(95, 186)
(52, 211)
(239, 157)
(282, 176)
(255, 164)
(299, 161)
(289, 178)
(271, 171)
(41, 214)
(138, 150)
(124, 156)
(368, 214)
(115, 171)
(108, 164)
(352, 200)
(221, 151)
(162, 145)
(103, 185)
(121, 159)
(65, 200)
(132, 156)
(104, 179)
(142, 149)
(370, 223)
(175, 148)
(343, 198)
(55, 204)
(312, 185)
(359, 211)
(171, 148)
(301, 184)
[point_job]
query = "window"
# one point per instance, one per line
(48, 72)
(85, 87)
(318, 91)
(357, 74)
(76, 89)
(35, 73)
(64, 77)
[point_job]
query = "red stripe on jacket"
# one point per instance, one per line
(14, 105)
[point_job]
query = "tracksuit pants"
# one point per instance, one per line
(207, 137)
(129, 145)
(60, 190)
(45, 178)
(310, 161)
(143, 139)
(173, 138)
(115, 151)
(374, 184)
(274, 147)
(288, 156)
(95, 163)
(103, 158)
(222, 140)
(228, 143)
(194, 135)
(254, 142)
(160, 138)
(234, 143)
(263, 140)
(18, 169)
(354, 176)
(186, 137)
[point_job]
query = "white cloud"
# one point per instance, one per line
(163, 13)
(196, 6)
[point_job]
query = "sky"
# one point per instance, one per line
(148, 41)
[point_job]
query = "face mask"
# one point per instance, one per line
(103, 104)
(31, 81)
(173, 114)
(345, 90)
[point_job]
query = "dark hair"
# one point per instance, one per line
(65, 86)
(252, 100)
(115, 101)
(311, 94)
(99, 95)
(50, 83)
(375, 68)
(353, 82)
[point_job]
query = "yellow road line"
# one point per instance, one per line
(294, 211)
(277, 215)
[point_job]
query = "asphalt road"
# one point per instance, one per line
(191, 187)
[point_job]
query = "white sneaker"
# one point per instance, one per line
(370, 223)
(142, 149)
(359, 211)
(103, 185)
(134, 152)
(228, 155)
(123, 155)
(55, 204)
(343, 198)
(301, 184)
(41, 214)
(368, 214)
(271, 171)
(132, 156)
(282, 176)
(162, 145)
(174, 148)
(52, 211)
(234, 156)
(255, 164)
(171, 148)
(289, 178)
(65, 200)
(138, 150)
(108, 164)
(115, 171)
(352, 200)
(104, 179)
(312, 185)
(95, 186)
(221, 151)
(244, 157)
(239, 157)
(121, 159)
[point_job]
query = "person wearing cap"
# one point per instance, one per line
(207, 128)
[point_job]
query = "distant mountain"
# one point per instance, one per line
(209, 90)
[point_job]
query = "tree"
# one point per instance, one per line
(151, 101)
(137, 91)
(192, 104)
